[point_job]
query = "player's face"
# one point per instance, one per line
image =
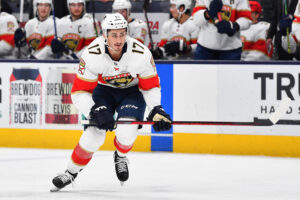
(123, 12)
(76, 9)
(116, 39)
(174, 11)
(254, 16)
(43, 10)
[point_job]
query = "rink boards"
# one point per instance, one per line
(36, 110)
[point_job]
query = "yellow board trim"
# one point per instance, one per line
(59, 139)
(231, 144)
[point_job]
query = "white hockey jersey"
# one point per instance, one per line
(233, 10)
(8, 25)
(254, 42)
(138, 30)
(294, 37)
(76, 35)
(172, 30)
(136, 67)
(39, 35)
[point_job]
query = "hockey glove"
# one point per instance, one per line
(175, 47)
(157, 53)
(230, 28)
(57, 46)
(103, 117)
(20, 37)
(285, 24)
(161, 118)
(214, 7)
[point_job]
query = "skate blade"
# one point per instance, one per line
(122, 183)
(55, 189)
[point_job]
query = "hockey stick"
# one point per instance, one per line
(272, 120)
(94, 21)
(145, 9)
(20, 24)
(54, 23)
(287, 30)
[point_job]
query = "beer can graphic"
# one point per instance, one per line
(59, 107)
(25, 96)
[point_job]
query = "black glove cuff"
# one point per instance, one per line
(236, 26)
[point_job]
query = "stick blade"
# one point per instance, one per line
(281, 110)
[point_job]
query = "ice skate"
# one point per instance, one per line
(62, 180)
(121, 166)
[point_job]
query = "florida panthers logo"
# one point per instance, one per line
(71, 41)
(35, 40)
(226, 12)
(120, 80)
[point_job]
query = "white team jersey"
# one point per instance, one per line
(39, 35)
(173, 30)
(294, 37)
(137, 30)
(135, 67)
(76, 35)
(232, 10)
(254, 42)
(8, 25)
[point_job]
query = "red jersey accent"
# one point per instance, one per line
(82, 85)
(9, 38)
(259, 45)
(197, 8)
(162, 43)
(149, 83)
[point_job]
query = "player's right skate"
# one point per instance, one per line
(62, 180)
(121, 166)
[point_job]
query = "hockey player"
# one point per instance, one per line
(221, 22)
(288, 25)
(254, 38)
(35, 40)
(8, 25)
(116, 74)
(179, 34)
(137, 28)
(75, 31)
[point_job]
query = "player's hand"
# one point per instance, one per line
(175, 47)
(20, 37)
(228, 27)
(157, 53)
(104, 119)
(57, 46)
(285, 24)
(161, 118)
(214, 7)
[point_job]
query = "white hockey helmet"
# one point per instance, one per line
(122, 4)
(76, 1)
(36, 2)
(187, 4)
(113, 21)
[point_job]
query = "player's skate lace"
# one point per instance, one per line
(121, 166)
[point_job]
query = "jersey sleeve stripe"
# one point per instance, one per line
(197, 8)
(147, 83)
(82, 85)
(9, 38)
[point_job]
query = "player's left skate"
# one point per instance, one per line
(121, 166)
(62, 180)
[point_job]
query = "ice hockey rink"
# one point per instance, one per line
(27, 174)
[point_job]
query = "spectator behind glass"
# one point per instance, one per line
(221, 22)
(254, 38)
(179, 34)
(278, 8)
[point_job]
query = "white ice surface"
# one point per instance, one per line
(27, 174)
